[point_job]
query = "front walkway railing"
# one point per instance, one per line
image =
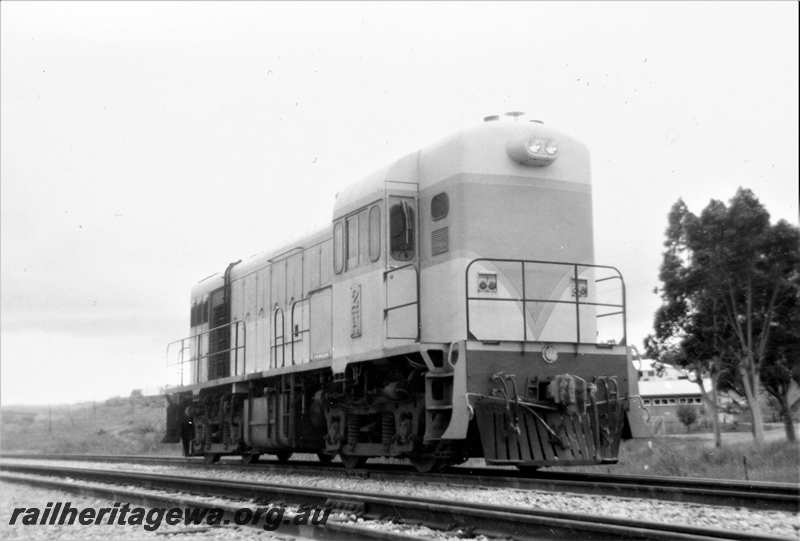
(196, 352)
(544, 301)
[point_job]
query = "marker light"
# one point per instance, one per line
(487, 282)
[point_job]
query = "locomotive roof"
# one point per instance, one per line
(669, 387)
(258, 261)
(479, 150)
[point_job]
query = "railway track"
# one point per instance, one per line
(751, 494)
(490, 520)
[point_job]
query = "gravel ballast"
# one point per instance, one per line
(778, 523)
(13, 495)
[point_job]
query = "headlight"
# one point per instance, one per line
(535, 146)
(533, 150)
(539, 148)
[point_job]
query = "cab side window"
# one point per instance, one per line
(338, 248)
(440, 206)
(374, 233)
(401, 231)
(356, 240)
(363, 238)
(352, 242)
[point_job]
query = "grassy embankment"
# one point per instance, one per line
(116, 426)
(136, 426)
(695, 456)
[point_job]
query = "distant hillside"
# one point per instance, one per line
(115, 426)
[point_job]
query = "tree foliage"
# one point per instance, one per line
(726, 276)
(781, 366)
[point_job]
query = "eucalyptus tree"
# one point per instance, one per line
(725, 275)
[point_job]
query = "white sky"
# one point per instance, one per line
(145, 145)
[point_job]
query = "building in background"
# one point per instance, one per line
(663, 389)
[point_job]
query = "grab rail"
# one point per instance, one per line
(524, 299)
(415, 302)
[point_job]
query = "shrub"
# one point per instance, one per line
(687, 415)
(670, 462)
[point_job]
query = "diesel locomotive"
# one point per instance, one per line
(452, 309)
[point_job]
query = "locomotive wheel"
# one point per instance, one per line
(427, 464)
(211, 458)
(352, 462)
(251, 458)
(283, 456)
(325, 458)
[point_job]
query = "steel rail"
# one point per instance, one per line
(751, 494)
(518, 522)
(333, 531)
